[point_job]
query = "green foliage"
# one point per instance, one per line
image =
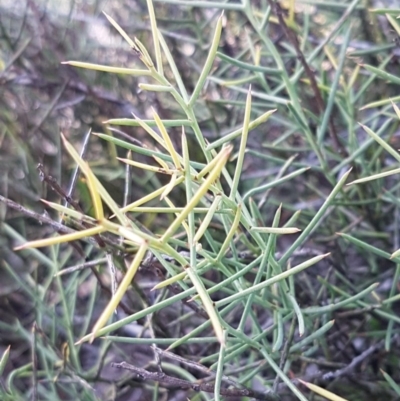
(259, 242)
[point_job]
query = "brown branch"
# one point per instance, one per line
(55, 186)
(285, 352)
(60, 228)
(320, 378)
(198, 366)
(170, 381)
(347, 370)
(313, 82)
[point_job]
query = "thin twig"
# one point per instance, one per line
(170, 381)
(81, 266)
(313, 82)
(77, 169)
(285, 352)
(39, 217)
(347, 370)
(60, 228)
(196, 365)
(113, 273)
(128, 180)
(354, 363)
(55, 186)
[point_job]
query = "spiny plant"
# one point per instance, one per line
(203, 184)
(214, 272)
